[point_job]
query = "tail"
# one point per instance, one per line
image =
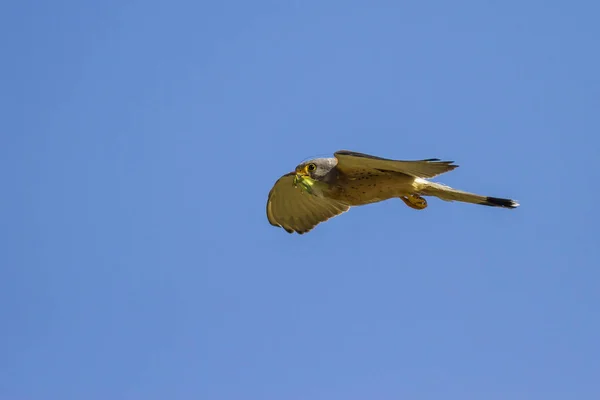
(449, 194)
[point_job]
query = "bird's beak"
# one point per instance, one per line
(302, 172)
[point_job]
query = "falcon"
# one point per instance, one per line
(322, 188)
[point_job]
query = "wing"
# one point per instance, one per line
(297, 211)
(349, 160)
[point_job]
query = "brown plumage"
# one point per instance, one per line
(322, 188)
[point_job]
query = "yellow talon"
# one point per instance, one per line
(414, 201)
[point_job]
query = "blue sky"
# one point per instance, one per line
(139, 141)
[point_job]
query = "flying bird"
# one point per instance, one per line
(322, 188)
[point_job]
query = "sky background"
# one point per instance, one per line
(139, 141)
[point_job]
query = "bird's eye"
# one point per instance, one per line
(312, 167)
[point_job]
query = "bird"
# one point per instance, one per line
(322, 188)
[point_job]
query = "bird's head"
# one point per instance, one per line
(316, 169)
(312, 175)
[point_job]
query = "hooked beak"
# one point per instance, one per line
(302, 172)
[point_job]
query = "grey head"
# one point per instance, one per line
(319, 169)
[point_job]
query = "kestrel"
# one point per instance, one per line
(322, 188)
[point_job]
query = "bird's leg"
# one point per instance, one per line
(414, 201)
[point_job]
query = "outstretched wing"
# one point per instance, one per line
(297, 211)
(349, 160)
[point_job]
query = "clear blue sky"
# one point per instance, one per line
(139, 141)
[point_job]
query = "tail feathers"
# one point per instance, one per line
(447, 193)
(499, 202)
